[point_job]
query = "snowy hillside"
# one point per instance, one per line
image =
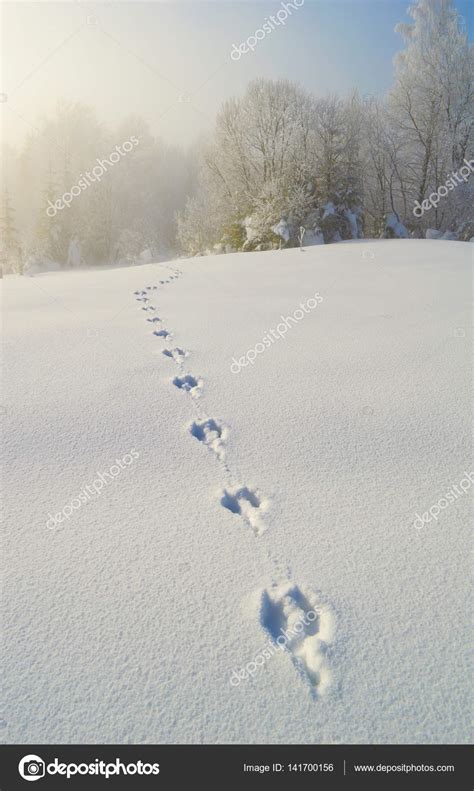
(211, 541)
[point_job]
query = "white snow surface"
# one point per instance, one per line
(256, 498)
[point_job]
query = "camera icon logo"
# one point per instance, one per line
(31, 767)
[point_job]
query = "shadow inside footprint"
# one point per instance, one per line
(247, 504)
(272, 617)
(210, 433)
(304, 604)
(233, 502)
(176, 354)
(187, 382)
(162, 333)
(202, 431)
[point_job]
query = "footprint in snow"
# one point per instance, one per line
(249, 504)
(304, 626)
(189, 383)
(162, 333)
(210, 433)
(176, 354)
(154, 320)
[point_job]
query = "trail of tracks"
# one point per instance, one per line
(285, 608)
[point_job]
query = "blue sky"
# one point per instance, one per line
(150, 58)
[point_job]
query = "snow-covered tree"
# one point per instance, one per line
(430, 109)
(279, 160)
(141, 193)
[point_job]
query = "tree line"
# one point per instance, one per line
(282, 167)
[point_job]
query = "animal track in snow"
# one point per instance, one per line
(248, 504)
(154, 320)
(149, 307)
(162, 333)
(304, 626)
(210, 433)
(189, 383)
(176, 354)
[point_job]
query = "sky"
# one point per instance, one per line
(170, 62)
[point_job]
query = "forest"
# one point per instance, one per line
(281, 168)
